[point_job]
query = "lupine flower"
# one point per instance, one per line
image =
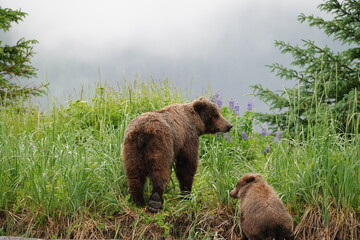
(264, 130)
(232, 104)
(250, 106)
(218, 135)
(237, 109)
(278, 136)
(244, 136)
(227, 137)
(218, 102)
(217, 95)
(266, 150)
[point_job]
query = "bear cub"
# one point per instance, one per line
(155, 141)
(262, 213)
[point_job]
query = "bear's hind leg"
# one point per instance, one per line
(136, 186)
(159, 180)
(158, 160)
(137, 191)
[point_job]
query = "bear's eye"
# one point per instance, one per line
(216, 116)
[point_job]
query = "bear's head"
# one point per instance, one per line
(244, 184)
(211, 116)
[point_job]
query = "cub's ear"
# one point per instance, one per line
(249, 179)
(202, 98)
(199, 106)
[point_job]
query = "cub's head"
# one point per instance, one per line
(244, 183)
(211, 116)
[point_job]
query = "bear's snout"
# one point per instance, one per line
(233, 193)
(228, 128)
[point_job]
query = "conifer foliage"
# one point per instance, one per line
(15, 62)
(323, 79)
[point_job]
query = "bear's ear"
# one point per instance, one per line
(249, 179)
(202, 98)
(199, 106)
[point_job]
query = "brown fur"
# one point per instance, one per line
(263, 214)
(155, 140)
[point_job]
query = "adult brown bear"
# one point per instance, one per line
(262, 213)
(155, 140)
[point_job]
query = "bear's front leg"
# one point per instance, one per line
(185, 169)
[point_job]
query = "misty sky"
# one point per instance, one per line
(196, 44)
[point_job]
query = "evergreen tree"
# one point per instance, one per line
(15, 62)
(324, 79)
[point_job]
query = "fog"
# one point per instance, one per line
(224, 45)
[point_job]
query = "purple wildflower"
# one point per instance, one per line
(278, 136)
(264, 130)
(244, 136)
(266, 150)
(227, 137)
(250, 106)
(218, 135)
(237, 110)
(232, 104)
(218, 102)
(217, 95)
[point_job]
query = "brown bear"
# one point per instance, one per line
(262, 213)
(154, 141)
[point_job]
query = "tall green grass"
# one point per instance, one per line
(61, 172)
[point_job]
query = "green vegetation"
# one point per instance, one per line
(61, 173)
(15, 62)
